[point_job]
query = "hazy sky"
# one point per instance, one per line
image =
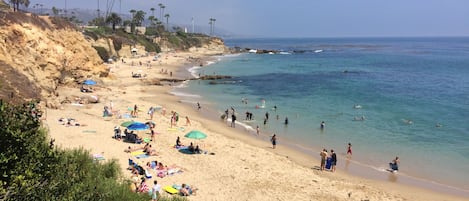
(307, 18)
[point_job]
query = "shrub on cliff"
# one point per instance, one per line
(102, 52)
(33, 169)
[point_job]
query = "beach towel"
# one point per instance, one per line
(136, 153)
(146, 140)
(170, 190)
(98, 157)
(142, 156)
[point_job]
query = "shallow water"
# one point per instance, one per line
(413, 93)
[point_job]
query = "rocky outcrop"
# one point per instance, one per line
(47, 51)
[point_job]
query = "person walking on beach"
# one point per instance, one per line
(135, 111)
(334, 160)
(152, 134)
(323, 155)
(274, 141)
(188, 122)
(198, 106)
(349, 149)
(155, 191)
(257, 130)
(151, 111)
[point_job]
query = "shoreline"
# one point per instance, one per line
(237, 171)
(351, 167)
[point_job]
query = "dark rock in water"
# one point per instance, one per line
(214, 77)
(222, 82)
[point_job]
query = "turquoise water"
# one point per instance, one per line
(424, 81)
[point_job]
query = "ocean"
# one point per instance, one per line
(388, 97)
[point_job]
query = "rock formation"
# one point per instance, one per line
(40, 53)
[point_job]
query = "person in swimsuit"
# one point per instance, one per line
(334, 160)
(274, 141)
(349, 149)
(394, 164)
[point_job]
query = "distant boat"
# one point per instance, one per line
(317, 51)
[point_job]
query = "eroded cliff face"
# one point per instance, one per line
(42, 53)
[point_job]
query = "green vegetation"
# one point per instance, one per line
(34, 169)
(102, 52)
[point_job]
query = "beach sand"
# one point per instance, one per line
(236, 167)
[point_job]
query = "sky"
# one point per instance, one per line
(305, 18)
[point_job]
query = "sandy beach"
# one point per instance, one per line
(236, 166)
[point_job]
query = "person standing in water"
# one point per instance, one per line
(349, 149)
(286, 121)
(323, 125)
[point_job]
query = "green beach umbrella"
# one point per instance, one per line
(127, 123)
(195, 134)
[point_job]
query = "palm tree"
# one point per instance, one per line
(152, 20)
(167, 21)
(162, 10)
(152, 11)
(212, 25)
(133, 12)
(160, 5)
(55, 11)
(139, 17)
(16, 4)
(113, 19)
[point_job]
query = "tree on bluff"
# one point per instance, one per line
(17, 3)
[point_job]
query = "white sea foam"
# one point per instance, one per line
(182, 94)
(183, 84)
(194, 71)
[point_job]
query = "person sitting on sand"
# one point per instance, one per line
(197, 149)
(85, 90)
(143, 187)
(178, 142)
(117, 133)
(73, 122)
(191, 148)
(160, 166)
(187, 190)
(149, 151)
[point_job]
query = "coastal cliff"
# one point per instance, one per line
(40, 53)
(37, 54)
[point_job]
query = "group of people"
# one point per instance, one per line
(328, 161)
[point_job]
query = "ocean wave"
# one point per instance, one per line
(182, 94)
(194, 71)
(183, 84)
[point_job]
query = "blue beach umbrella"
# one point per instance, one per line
(195, 134)
(89, 82)
(137, 126)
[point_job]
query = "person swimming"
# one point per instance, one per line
(362, 118)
